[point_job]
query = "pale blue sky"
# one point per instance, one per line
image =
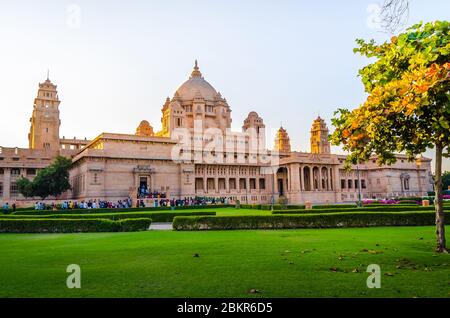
(287, 60)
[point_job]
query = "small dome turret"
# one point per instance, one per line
(144, 129)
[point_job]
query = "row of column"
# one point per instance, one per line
(227, 184)
(307, 178)
(320, 178)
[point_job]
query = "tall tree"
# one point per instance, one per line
(50, 181)
(408, 104)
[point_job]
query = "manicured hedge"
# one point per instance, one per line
(47, 225)
(335, 220)
(250, 206)
(86, 211)
(155, 216)
(399, 204)
(399, 207)
(410, 202)
(402, 203)
(269, 207)
(105, 216)
(361, 210)
(334, 206)
(212, 206)
(395, 206)
(279, 206)
(148, 209)
(108, 211)
(133, 225)
(409, 199)
(295, 206)
(169, 216)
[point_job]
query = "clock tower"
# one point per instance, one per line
(45, 122)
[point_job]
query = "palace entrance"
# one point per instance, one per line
(280, 187)
(282, 181)
(143, 182)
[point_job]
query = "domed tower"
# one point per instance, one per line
(319, 137)
(45, 122)
(195, 99)
(254, 124)
(144, 129)
(282, 141)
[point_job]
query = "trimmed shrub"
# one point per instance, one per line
(283, 201)
(147, 209)
(307, 221)
(269, 207)
(279, 207)
(405, 202)
(87, 211)
(399, 207)
(47, 225)
(169, 216)
(372, 209)
(415, 199)
(110, 211)
(295, 207)
(105, 216)
(382, 204)
(134, 225)
(199, 207)
(251, 206)
(334, 206)
(155, 216)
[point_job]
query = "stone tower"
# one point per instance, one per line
(319, 137)
(254, 125)
(282, 141)
(45, 122)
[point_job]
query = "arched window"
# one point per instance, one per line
(406, 182)
(324, 179)
(316, 181)
(307, 178)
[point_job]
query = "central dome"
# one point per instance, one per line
(195, 86)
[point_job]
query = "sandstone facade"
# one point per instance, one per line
(197, 154)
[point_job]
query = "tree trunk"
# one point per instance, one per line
(440, 223)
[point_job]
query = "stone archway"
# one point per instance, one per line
(282, 181)
(307, 178)
(316, 179)
(325, 180)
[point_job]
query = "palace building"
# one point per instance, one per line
(197, 154)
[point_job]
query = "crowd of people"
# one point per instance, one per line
(145, 193)
(162, 199)
(159, 200)
(197, 201)
(6, 208)
(90, 204)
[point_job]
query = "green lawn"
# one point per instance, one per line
(288, 263)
